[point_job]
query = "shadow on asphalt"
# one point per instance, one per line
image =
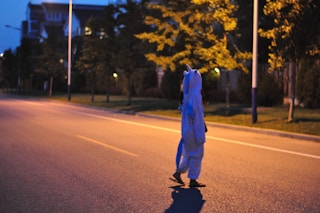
(185, 200)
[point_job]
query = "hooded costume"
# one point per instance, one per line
(192, 125)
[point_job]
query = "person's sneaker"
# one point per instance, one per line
(194, 183)
(177, 178)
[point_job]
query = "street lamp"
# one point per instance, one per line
(69, 49)
(16, 28)
(19, 58)
(254, 62)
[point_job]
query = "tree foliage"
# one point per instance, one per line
(50, 58)
(9, 70)
(198, 33)
(288, 42)
(130, 58)
(91, 61)
(308, 84)
(287, 34)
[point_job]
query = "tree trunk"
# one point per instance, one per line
(293, 92)
(130, 80)
(108, 86)
(92, 94)
(227, 94)
(227, 80)
(51, 82)
(92, 91)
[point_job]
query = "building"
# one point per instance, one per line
(52, 18)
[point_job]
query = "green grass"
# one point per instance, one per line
(306, 121)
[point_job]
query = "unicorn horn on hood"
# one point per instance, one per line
(188, 68)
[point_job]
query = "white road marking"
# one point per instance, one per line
(107, 146)
(132, 122)
(208, 137)
(32, 103)
(264, 147)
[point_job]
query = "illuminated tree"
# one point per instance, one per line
(200, 33)
(288, 40)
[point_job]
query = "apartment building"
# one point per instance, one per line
(52, 18)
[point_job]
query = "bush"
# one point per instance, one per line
(308, 84)
(268, 91)
(243, 92)
(210, 88)
(153, 92)
(170, 85)
(143, 80)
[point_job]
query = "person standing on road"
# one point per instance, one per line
(192, 129)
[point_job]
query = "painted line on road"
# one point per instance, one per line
(31, 103)
(208, 137)
(131, 122)
(264, 147)
(224, 140)
(107, 146)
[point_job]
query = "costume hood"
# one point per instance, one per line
(192, 80)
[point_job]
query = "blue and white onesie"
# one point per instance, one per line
(192, 124)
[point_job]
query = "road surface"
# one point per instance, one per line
(61, 157)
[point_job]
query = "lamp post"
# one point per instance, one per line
(19, 59)
(69, 49)
(254, 61)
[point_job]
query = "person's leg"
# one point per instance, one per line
(194, 173)
(182, 168)
(195, 169)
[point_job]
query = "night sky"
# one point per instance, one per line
(13, 12)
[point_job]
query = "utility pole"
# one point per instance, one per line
(69, 49)
(254, 62)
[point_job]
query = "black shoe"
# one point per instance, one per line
(177, 178)
(194, 183)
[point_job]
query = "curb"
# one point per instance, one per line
(244, 128)
(214, 124)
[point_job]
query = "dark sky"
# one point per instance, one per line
(13, 12)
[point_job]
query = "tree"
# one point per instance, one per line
(91, 61)
(287, 36)
(50, 61)
(111, 46)
(308, 84)
(9, 69)
(131, 50)
(28, 50)
(199, 33)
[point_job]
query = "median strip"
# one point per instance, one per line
(107, 146)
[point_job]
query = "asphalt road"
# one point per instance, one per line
(60, 157)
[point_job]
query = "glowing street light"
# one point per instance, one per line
(217, 70)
